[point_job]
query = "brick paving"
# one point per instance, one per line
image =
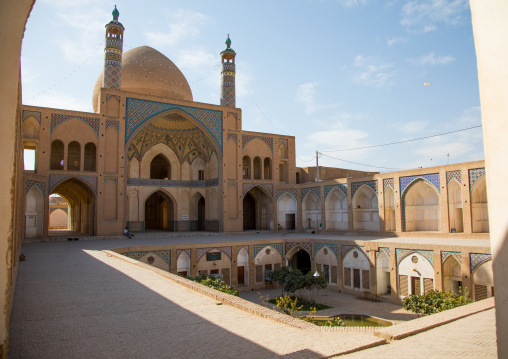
(74, 301)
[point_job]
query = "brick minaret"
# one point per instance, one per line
(113, 53)
(228, 73)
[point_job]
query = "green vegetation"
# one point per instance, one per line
(215, 283)
(304, 305)
(435, 301)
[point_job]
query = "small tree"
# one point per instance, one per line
(314, 284)
(287, 278)
(435, 301)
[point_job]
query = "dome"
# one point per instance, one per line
(147, 71)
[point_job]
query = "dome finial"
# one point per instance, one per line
(115, 13)
(228, 42)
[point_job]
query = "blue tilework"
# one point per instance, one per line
(232, 136)
(259, 247)
(403, 253)
(356, 185)
(453, 175)
(331, 247)
(306, 246)
(58, 119)
(475, 259)
(280, 192)
(405, 185)
(171, 183)
(315, 190)
(35, 114)
(283, 141)
(346, 248)
(475, 175)
(56, 179)
(40, 185)
(340, 186)
(388, 182)
(139, 111)
(456, 255)
(164, 254)
(114, 124)
(247, 138)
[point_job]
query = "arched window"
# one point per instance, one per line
(57, 155)
(90, 157)
(267, 167)
(160, 168)
(257, 168)
(73, 156)
(246, 167)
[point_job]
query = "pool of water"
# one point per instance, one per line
(358, 320)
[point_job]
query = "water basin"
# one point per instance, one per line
(358, 320)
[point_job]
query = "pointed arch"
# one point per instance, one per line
(286, 211)
(336, 211)
(183, 264)
(389, 203)
(421, 206)
(34, 213)
(455, 212)
(452, 274)
(311, 210)
(479, 208)
(365, 209)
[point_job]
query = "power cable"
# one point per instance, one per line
(362, 164)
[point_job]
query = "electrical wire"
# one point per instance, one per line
(405, 141)
(362, 164)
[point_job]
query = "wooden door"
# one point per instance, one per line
(241, 273)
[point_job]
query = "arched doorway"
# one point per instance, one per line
(249, 212)
(34, 214)
(312, 211)
(300, 260)
(452, 275)
(159, 212)
(286, 212)
(201, 214)
(82, 205)
(257, 210)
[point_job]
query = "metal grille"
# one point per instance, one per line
(347, 277)
(403, 285)
(480, 292)
(428, 284)
(356, 278)
(333, 274)
(365, 279)
(259, 274)
(416, 285)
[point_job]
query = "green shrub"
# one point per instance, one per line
(215, 283)
(435, 301)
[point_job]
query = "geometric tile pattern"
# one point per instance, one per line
(139, 111)
(346, 248)
(332, 247)
(305, 246)
(388, 182)
(341, 186)
(456, 255)
(40, 185)
(180, 251)
(56, 179)
(247, 138)
(293, 192)
(164, 254)
(202, 251)
(475, 259)
(475, 175)
(232, 136)
(57, 119)
(171, 183)
(315, 190)
(406, 183)
(111, 123)
(259, 247)
(384, 250)
(35, 114)
(356, 185)
(453, 175)
(432, 178)
(403, 253)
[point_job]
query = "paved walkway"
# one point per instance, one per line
(74, 301)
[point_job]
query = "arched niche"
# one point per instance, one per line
(242, 267)
(422, 207)
(365, 209)
(311, 210)
(383, 273)
(257, 209)
(197, 212)
(455, 207)
(336, 211)
(415, 275)
(31, 128)
(74, 156)
(34, 214)
(207, 265)
(57, 155)
(183, 264)
(389, 202)
(479, 209)
(356, 270)
(326, 264)
(246, 167)
(160, 149)
(159, 212)
(160, 168)
(257, 167)
(90, 157)
(267, 168)
(483, 281)
(299, 258)
(286, 211)
(267, 259)
(452, 274)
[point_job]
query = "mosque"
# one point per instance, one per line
(151, 158)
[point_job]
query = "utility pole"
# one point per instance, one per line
(317, 166)
(448, 158)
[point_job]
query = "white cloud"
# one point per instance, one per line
(425, 14)
(243, 79)
(182, 24)
(413, 126)
(352, 3)
(306, 96)
(432, 59)
(396, 40)
(370, 72)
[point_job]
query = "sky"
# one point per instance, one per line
(339, 75)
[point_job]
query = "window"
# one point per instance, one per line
(201, 175)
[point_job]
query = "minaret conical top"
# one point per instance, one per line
(115, 13)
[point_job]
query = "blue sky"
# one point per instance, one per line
(336, 74)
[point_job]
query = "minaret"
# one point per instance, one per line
(113, 53)
(228, 73)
